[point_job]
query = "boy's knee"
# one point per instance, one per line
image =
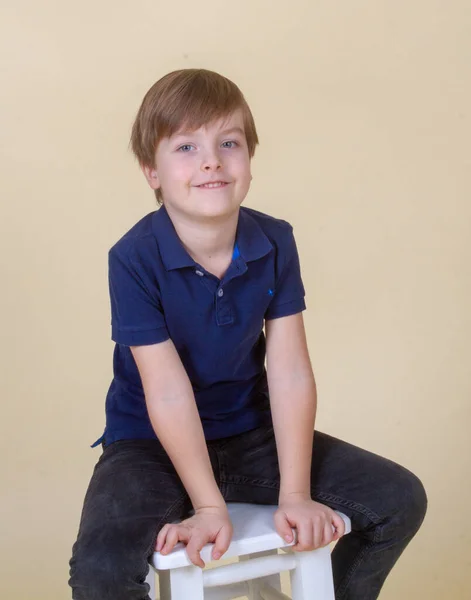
(420, 501)
(103, 577)
(414, 501)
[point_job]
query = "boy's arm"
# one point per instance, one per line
(175, 419)
(293, 400)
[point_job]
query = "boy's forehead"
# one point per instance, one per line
(233, 122)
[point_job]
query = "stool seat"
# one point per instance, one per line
(255, 542)
(254, 531)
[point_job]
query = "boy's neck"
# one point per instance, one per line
(209, 243)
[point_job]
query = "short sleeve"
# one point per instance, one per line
(288, 296)
(137, 317)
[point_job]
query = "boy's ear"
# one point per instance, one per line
(150, 173)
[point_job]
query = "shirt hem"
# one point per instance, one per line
(140, 338)
(286, 309)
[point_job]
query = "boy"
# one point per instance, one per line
(193, 419)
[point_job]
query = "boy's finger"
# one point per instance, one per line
(193, 549)
(305, 536)
(328, 534)
(171, 540)
(339, 524)
(161, 537)
(335, 533)
(317, 534)
(222, 542)
(283, 527)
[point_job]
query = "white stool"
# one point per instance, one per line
(257, 574)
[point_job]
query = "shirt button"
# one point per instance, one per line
(200, 273)
(220, 293)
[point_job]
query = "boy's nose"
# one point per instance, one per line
(211, 163)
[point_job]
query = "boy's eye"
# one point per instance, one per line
(229, 144)
(185, 148)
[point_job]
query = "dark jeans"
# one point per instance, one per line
(135, 490)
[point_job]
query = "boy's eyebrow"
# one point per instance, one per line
(233, 130)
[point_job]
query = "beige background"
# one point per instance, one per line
(363, 114)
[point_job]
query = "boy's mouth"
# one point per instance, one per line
(213, 185)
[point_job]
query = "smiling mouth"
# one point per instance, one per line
(213, 185)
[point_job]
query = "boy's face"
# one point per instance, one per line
(204, 173)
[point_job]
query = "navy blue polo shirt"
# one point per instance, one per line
(158, 292)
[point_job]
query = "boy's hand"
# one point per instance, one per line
(316, 524)
(208, 524)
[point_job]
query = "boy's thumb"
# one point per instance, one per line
(283, 527)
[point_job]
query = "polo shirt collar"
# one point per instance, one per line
(250, 237)
(174, 255)
(252, 243)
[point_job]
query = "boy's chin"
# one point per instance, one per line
(216, 208)
(205, 208)
(215, 214)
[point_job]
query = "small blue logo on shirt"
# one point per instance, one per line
(270, 292)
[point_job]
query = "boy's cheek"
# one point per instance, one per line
(176, 178)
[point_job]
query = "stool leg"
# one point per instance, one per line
(150, 579)
(164, 585)
(182, 584)
(312, 577)
(256, 584)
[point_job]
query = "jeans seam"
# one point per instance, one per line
(376, 538)
(178, 502)
(339, 592)
(251, 482)
(374, 517)
(222, 472)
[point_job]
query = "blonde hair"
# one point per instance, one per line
(188, 98)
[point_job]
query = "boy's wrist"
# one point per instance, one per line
(215, 504)
(290, 495)
(211, 499)
(211, 508)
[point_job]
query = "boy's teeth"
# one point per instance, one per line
(213, 185)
